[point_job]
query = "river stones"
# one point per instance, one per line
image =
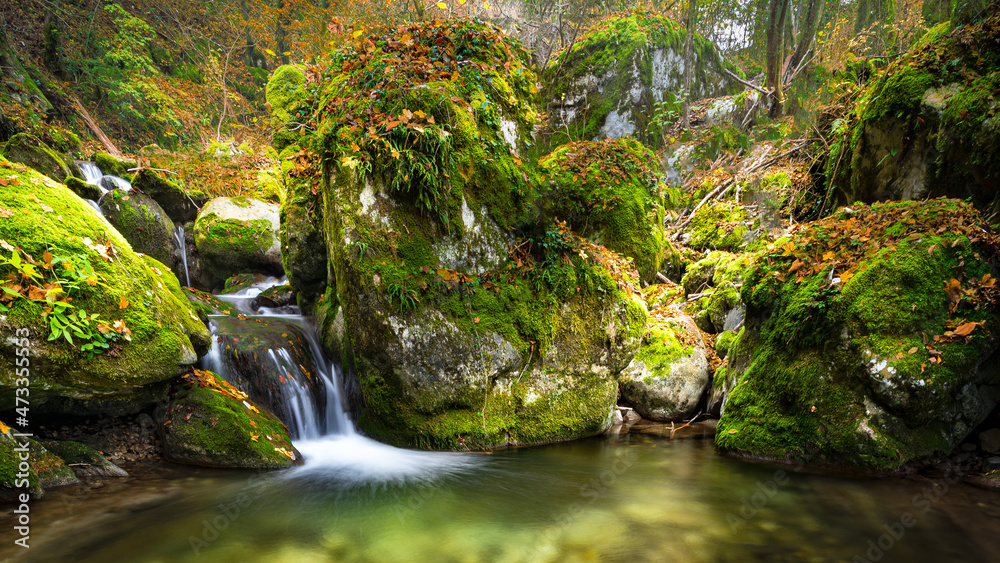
(237, 235)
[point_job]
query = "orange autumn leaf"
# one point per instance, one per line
(122, 303)
(965, 329)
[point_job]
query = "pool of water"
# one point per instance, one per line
(625, 498)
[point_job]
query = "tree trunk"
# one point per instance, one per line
(936, 11)
(775, 28)
(807, 31)
(688, 63)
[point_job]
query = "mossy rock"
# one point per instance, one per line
(166, 335)
(449, 341)
(303, 246)
(181, 206)
(927, 126)
(669, 374)
(112, 165)
(83, 460)
(723, 342)
(718, 225)
(83, 189)
(211, 423)
(608, 84)
(142, 222)
(237, 235)
(885, 360)
(31, 151)
(286, 93)
(610, 192)
(44, 469)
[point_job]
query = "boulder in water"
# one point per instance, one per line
(83, 189)
(237, 235)
(46, 469)
(872, 355)
(180, 205)
(209, 422)
(669, 374)
(84, 460)
(454, 334)
(142, 222)
(112, 165)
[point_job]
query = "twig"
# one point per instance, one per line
(745, 83)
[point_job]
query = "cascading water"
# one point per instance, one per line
(181, 246)
(274, 355)
(91, 173)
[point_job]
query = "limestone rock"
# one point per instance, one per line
(181, 206)
(210, 423)
(833, 366)
(669, 374)
(142, 222)
(237, 235)
(166, 336)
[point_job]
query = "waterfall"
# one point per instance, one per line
(182, 248)
(91, 173)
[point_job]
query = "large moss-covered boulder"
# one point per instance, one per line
(870, 339)
(610, 192)
(26, 466)
(144, 331)
(31, 151)
(668, 375)
(83, 189)
(453, 333)
(209, 422)
(142, 222)
(180, 204)
(927, 126)
(237, 235)
(608, 84)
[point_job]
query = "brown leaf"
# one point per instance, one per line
(965, 329)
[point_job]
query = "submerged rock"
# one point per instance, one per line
(44, 469)
(151, 333)
(83, 189)
(209, 422)
(870, 339)
(84, 460)
(237, 235)
(610, 82)
(142, 222)
(669, 374)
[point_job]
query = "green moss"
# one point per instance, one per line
(83, 189)
(158, 320)
(662, 346)
(718, 225)
(842, 373)
(142, 222)
(208, 425)
(110, 164)
(609, 191)
(31, 151)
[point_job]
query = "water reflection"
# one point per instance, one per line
(631, 498)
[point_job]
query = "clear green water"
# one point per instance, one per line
(631, 498)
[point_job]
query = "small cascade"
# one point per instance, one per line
(734, 318)
(181, 246)
(109, 182)
(91, 173)
(274, 355)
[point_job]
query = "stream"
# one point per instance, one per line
(636, 496)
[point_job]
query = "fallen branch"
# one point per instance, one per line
(92, 125)
(745, 83)
(724, 186)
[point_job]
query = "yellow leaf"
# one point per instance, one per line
(912, 350)
(442, 5)
(4, 428)
(270, 52)
(357, 33)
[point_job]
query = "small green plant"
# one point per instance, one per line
(53, 283)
